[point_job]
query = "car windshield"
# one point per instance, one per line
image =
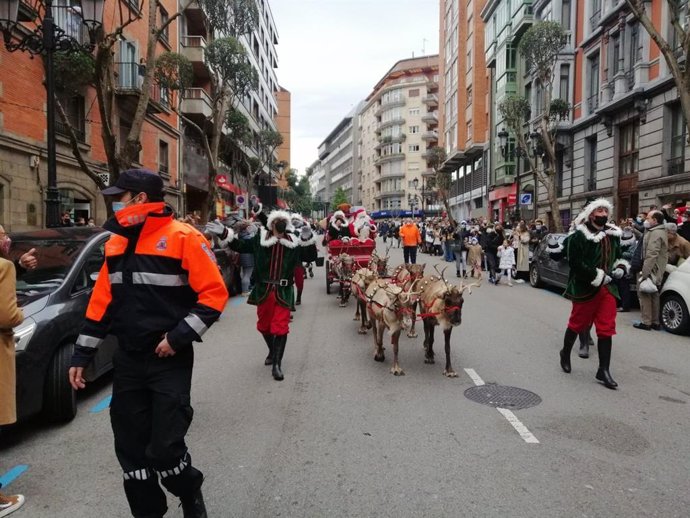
(55, 258)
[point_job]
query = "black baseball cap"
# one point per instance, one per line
(136, 181)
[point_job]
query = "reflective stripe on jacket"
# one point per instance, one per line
(159, 276)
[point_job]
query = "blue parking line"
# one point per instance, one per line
(11, 475)
(101, 405)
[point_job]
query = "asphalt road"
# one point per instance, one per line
(342, 437)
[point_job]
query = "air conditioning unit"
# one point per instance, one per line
(105, 178)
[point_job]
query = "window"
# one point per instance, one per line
(164, 19)
(413, 148)
(593, 86)
(414, 111)
(565, 82)
(676, 162)
(163, 159)
(74, 109)
(635, 54)
(413, 93)
(616, 53)
(629, 148)
(413, 166)
(90, 270)
(413, 129)
(469, 61)
(590, 180)
(565, 14)
(595, 14)
(511, 57)
(469, 95)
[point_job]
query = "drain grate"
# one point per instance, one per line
(501, 396)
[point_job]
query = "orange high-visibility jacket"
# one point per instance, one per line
(410, 235)
(159, 276)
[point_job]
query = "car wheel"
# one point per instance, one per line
(59, 398)
(328, 281)
(674, 314)
(534, 277)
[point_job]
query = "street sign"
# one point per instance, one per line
(240, 199)
(512, 198)
(526, 198)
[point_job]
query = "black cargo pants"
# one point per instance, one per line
(150, 413)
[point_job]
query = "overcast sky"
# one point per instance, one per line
(331, 53)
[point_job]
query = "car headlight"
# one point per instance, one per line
(23, 333)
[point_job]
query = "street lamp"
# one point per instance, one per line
(45, 40)
(415, 184)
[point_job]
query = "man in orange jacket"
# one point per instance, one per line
(411, 238)
(158, 291)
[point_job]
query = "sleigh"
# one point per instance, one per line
(345, 258)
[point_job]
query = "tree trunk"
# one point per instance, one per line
(553, 203)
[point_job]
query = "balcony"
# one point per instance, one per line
(388, 105)
(194, 49)
(430, 117)
(389, 194)
(197, 103)
(389, 158)
(594, 21)
(128, 80)
(431, 100)
(383, 176)
(432, 84)
(522, 20)
(675, 166)
(159, 100)
(430, 136)
(399, 121)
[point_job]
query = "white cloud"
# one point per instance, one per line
(331, 53)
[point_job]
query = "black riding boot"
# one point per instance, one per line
(299, 298)
(278, 351)
(603, 373)
(568, 342)
(269, 342)
(584, 344)
(193, 506)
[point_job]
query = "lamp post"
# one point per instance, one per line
(415, 183)
(46, 39)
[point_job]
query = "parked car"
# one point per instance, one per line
(53, 298)
(552, 269)
(675, 300)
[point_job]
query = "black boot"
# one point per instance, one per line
(278, 351)
(584, 344)
(193, 506)
(299, 298)
(568, 342)
(603, 373)
(269, 342)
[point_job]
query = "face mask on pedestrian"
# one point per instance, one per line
(119, 205)
(280, 226)
(600, 221)
(638, 219)
(647, 224)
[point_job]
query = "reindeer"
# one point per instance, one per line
(343, 268)
(378, 263)
(360, 281)
(405, 276)
(441, 305)
(389, 307)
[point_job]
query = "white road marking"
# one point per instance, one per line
(520, 428)
(475, 377)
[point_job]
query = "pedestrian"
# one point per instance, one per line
(474, 258)
(247, 231)
(684, 227)
(628, 246)
(338, 227)
(461, 236)
(594, 255)
(91, 223)
(396, 233)
(308, 253)
(654, 260)
(66, 220)
(678, 247)
(411, 238)
(506, 253)
(10, 316)
(81, 222)
(158, 291)
(276, 255)
(522, 239)
(494, 239)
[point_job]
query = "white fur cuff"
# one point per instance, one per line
(622, 263)
(229, 238)
(599, 278)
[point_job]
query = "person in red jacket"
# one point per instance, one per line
(158, 291)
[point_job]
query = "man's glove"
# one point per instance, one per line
(607, 280)
(618, 273)
(216, 228)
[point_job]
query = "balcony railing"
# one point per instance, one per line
(128, 77)
(675, 165)
(431, 100)
(160, 95)
(594, 20)
(430, 135)
(430, 117)
(79, 129)
(593, 102)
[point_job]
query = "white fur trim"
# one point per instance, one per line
(556, 250)
(229, 238)
(278, 214)
(591, 206)
(339, 214)
(622, 262)
(611, 230)
(268, 241)
(311, 241)
(599, 278)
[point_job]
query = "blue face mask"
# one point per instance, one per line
(118, 206)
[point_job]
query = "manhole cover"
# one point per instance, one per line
(500, 396)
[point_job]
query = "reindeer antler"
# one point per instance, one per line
(469, 287)
(440, 273)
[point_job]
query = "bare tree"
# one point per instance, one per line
(676, 53)
(442, 179)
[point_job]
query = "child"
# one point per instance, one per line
(474, 258)
(507, 255)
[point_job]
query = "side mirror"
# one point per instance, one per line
(94, 276)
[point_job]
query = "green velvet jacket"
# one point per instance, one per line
(591, 256)
(274, 259)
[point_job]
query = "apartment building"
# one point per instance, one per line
(23, 134)
(282, 120)
(260, 107)
(463, 95)
(399, 122)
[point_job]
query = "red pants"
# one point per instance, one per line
(299, 277)
(600, 311)
(274, 319)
